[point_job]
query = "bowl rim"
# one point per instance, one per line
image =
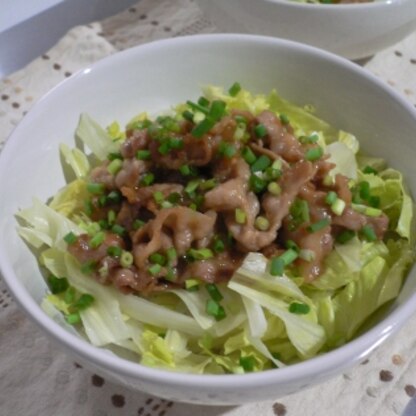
(332, 7)
(341, 357)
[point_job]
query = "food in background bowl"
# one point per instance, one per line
(262, 233)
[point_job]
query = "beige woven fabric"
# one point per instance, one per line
(38, 379)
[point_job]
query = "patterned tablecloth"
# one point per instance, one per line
(38, 379)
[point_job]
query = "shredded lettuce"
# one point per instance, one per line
(260, 329)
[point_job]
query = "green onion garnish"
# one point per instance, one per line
(69, 295)
(97, 240)
(260, 130)
(227, 150)
(234, 89)
(331, 197)
(261, 164)
(114, 197)
(368, 233)
(299, 308)
(248, 155)
(248, 363)
(370, 170)
(115, 166)
(138, 224)
(319, 225)
(284, 119)
(218, 245)
(154, 269)
(203, 101)
(257, 184)
(70, 238)
(118, 229)
(57, 284)
(203, 127)
(171, 274)
(290, 244)
(192, 186)
(83, 302)
(240, 216)
(200, 254)
(95, 188)
(158, 258)
(73, 318)
(313, 138)
(114, 251)
(214, 309)
(147, 179)
(171, 254)
(213, 291)
(345, 236)
(208, 184)
(197, 107)
(188, 115)
(143, 154)
(274, 188)
(192, 285)
(299, 211)
(338, 206)
(126, 259)
(113, 156)
(88, 267)
(262, 223)
(314, 154)
(277, 266)
(158, 197)
(364, 189)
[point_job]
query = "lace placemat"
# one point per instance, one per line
(39, 379)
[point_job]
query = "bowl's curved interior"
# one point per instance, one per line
(152, 78)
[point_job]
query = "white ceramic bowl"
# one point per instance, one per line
(351, 30)
(152, 77)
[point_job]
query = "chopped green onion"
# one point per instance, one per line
(192, 285)
(218, 245)
(313, 138)
(138, 224)
(299, 211)
(73, 318)
(155, 269)
(328, 180)
(57, 284)
(88, 267)
(364, 190)
(203, 101)
(174, 197)
(289, 256)
(314, 153)
(248, 363)
(69, 295)
(158, 197)
(217, 110)
(234, 89)
(114, 197)
(97, 240)
(369, 211)
(114, 156)
(84, 301)
(338, 206)
(197, 107)
(147, 179)
(274, 188)
(345, 236)
(186, 170)
(175, 143)
(261, 164)
(262, 223)
(115, 166)
(227, 150)
(171, 255)
(202, 128)
(171, 274)
(284, 119)
(118, 229)
(319, 225)
(331, 197)
(208, 184)
(143, 154)
(260, 130)
(111, 216)
(214, 309)
(240, 216)
(299, 308)
(188, 115)
(95, 188)
(114, 251)
(70, 238)
(126, 259)
(192, 186)
(104, 225)
(290, 244)
(374, 201)
(158, 258)
(368, 233)
(272, 174)
(240, 119)
(166, 204)
(213, 291)
(164, 148)
(257, 184)
(248, 155)
(200, 254)
(277, 266)
(370, 170)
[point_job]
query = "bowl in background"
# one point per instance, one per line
(352, 30)
(152, 77)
